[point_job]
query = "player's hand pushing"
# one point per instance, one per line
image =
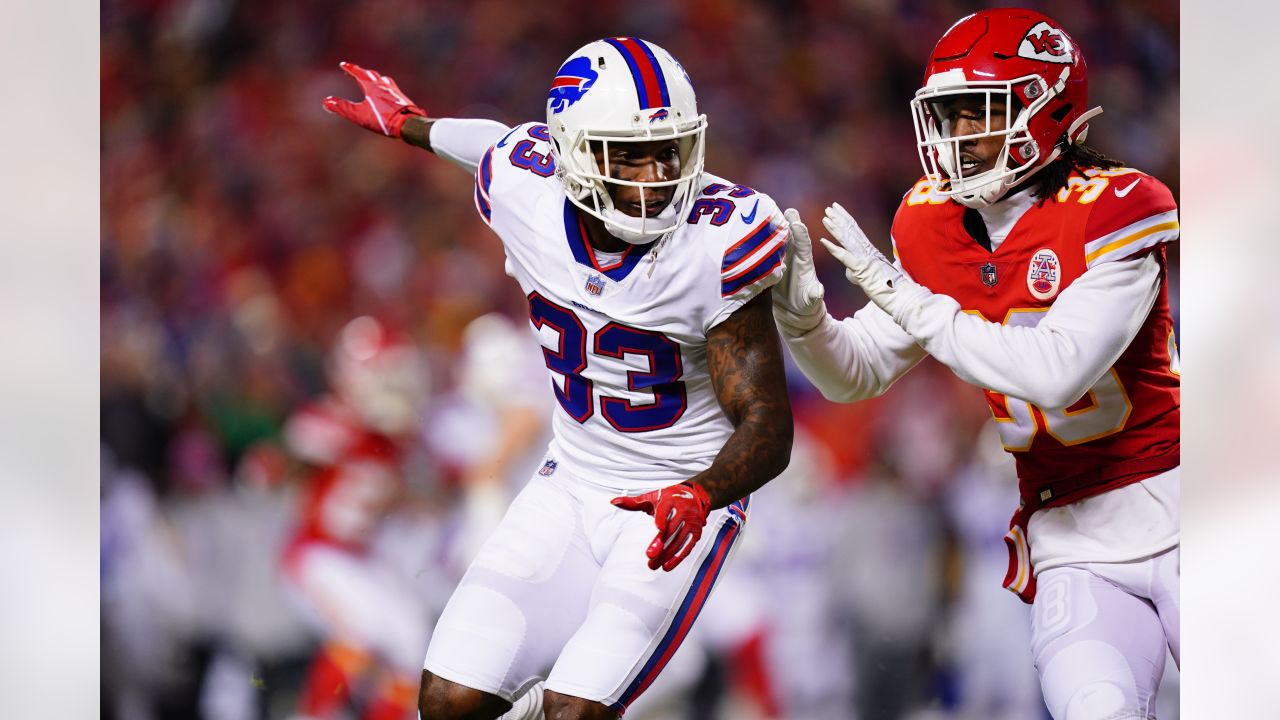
(797, 298)
(384, 109)
(680, 512)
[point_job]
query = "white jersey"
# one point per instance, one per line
(625, 338)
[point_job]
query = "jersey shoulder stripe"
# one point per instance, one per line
(484, 180)
(1132, 239)
(753, 257)
(1132, 212)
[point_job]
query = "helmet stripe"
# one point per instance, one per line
(664, 96)
(651, 84)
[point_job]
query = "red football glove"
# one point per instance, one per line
(680, 511)
(385, 107)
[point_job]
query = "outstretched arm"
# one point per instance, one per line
(853, 359)
(1051, 364)
(856, 358)
(386, 110)
(461, 142)
(745, 362)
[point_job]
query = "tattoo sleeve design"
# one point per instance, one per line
(745, 360)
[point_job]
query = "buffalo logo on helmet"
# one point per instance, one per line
(660, 114)
(1047, 43)
(1043, 275)
(571, 82)
(988, 274)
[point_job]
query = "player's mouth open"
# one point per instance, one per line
(969, 164)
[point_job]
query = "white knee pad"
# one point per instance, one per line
(1091, 680)
(1100, 701)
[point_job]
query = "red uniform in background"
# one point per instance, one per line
(374, 627)
(357, 475)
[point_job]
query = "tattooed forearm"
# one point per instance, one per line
(745, 359)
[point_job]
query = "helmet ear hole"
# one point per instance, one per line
(1061, 113)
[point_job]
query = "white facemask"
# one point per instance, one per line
(631, 229)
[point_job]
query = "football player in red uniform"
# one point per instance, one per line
(373, 625)
(1034, 267)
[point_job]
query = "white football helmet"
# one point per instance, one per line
(615, 90)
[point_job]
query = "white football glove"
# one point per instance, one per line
(797, 298)
(868, 268)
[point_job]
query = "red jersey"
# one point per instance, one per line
(1126, 427)
(356, 475)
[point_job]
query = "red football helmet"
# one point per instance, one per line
(380, 375)
(1022, 59)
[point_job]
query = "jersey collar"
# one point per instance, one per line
(576, 234)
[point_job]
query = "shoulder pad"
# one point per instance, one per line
(1131, 212)
(524, 152)
(921, 207)
(747, 230)
(923, 193)
(752, 256)
(319, 433)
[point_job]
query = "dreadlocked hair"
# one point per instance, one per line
(1053, 177)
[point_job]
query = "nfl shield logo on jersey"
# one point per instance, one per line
(595, 285)
(548, 467)
(1043, 275)
(988, 275)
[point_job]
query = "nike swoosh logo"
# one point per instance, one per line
(749, 218)
(1125, 191)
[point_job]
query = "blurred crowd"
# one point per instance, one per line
(243, 228)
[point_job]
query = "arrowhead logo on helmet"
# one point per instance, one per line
(1024, 65)
(571, 82)
(1047, 43)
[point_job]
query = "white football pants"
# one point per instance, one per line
(1099, 634)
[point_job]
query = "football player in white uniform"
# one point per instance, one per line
(648, 284)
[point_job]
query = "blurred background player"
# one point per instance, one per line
(1034, 267)
(986, 636)
(491, 428)
(373, 624)
(648, 284)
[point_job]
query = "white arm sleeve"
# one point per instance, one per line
(1055, 362)
(464, 142)
(856, 358)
